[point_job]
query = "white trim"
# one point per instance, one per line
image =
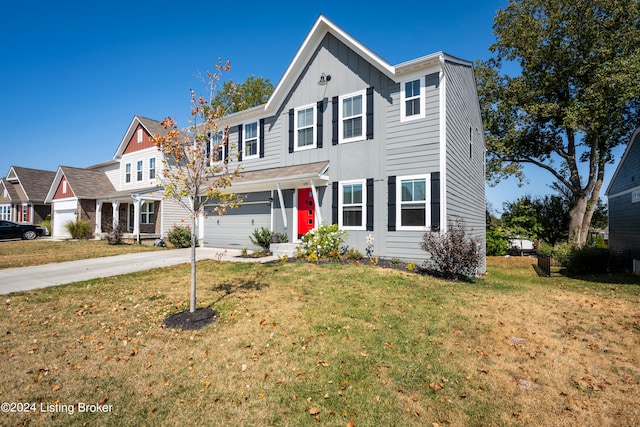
(443, 145)
(363, 115)
(622, 193)
(622, 159)
(422, 99)
(244, 140)
(363, 204)
(314, 144)
(427, 200)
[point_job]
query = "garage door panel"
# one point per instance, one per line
(60, 219)
(232, 230)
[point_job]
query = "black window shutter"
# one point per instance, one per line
(320, 118)
(208, 148)
(370, 113)
(239, 143)
(391, 203)
(435, 201)
(370, 204)
(291, 130)
(225, 144)
(261, 148)
(334, 122)
(334, 203)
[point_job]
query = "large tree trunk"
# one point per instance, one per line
(576, 221)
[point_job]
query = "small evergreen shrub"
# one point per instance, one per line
(323, 240)
(180, 237)
(79, 229)
(263, 237)
(452, 254)
(353, 253)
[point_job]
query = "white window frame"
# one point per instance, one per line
(400, 203)
(64, 186)
(341, 204)
(404, 99)
(152, 167)
(127, 173)
(635, 196)
(139, 170)
(362, 115)
(147, 212)
(25, 213)
(216, 141)
(245, 140)
(297, 128)
(140, 136)
(5, 212)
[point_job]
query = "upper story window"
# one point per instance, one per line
(216, 151)
(412, 212)
(139, 136)
(351, 205)
(127, 172)
(64, 186)
(250, 138)
(139, 171)
(635, 197)
(352, 112)
(152, 168)
(412, 99)
(305, 127)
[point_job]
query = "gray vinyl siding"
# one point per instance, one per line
(624, 224)
(173, 215)
(624, 216)
(465, 174)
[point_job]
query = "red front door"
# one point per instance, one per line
(306, 211)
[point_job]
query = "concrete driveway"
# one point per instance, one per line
(42, 276)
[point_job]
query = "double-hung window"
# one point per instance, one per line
(352, 205)
(250, 138)
(140, 139)
(127, 172)
(216, 150)
(352, 113)
(412, 99)
(635, 196)
(413, 212)
(152, 168)
(139, 171)
(147, 213)
(305, 126)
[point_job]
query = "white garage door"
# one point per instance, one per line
(60, 219)
(232, 230)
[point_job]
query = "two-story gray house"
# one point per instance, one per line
(391, 151)
(623, 195)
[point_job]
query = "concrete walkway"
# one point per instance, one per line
(42, 276)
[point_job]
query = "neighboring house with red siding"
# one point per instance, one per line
(124, 190)
(22, 195)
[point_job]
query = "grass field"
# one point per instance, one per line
(22, 253)
(300, 344)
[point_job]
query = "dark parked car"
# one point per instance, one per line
(13, 230)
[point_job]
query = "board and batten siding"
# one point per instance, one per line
(465, 153)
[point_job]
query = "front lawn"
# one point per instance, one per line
(22, 253)
(300, 344)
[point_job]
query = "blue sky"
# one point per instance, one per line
(73, 75)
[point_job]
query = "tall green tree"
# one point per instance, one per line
(250, 93)
(576, 98)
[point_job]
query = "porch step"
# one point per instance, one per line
(284, 249)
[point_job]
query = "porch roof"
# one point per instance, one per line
(286, 176)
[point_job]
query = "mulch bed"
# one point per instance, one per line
(191, 321)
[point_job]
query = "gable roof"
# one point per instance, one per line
(320, 29)
(13, 195)
(634, 137)
(33, 183)
(152, 127)
(85, 183)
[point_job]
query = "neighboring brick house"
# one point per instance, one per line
(347, 138)
(124, 190)
(623, 196)
(22, 195)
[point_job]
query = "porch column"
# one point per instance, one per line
(98, 217)
(282, 209)
(316, 202)
(115, 204)
(137, 204)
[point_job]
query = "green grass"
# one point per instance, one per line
(305, 345)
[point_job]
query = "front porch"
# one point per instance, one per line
(138, 215)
